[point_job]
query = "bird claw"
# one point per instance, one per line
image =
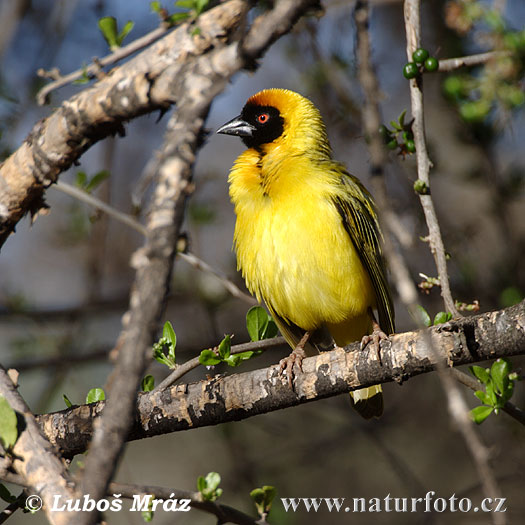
(286, 364)
(375, 338)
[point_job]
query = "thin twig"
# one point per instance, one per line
(450, 64)
(18, 503)
(236, 349)
(94, 68)
(371, 118)
(467, 380)
(86, 197)
(457, 405)
(412, 25)
(224, 513)
(130, 221)
(230, 286)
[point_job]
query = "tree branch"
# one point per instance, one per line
(239, 396)
(148, 82)
(224, 513)
(450, 64)
(34, 458)
(412, 25)
(94, 68)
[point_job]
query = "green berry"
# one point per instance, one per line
(392, 144)
(420, 55)
(410, 146)
(431, 64)
(410, 70)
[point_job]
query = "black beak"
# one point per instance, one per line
(237, 126)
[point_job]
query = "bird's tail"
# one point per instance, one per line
(368, 401)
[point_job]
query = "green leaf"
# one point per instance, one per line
(225, 347)
(169, 334)
(8, 424)
(108, 27)
(233, 360)
(493, 398)
(256, 322)
(499, 371)
(263, 498)
(479, 414)
(482, 396)
(155, 6)
(84, 78)
(401, 119)
(208, 486)
(148, 383)
(67, 401)
(81, 179)
(507, 394)
(94, 395)
(128, 26)
(200, 6)
(481, 374)
(96, 180)
(147, 515)
(177, 17)
(237, 359)
(6, 495)
(209, 358)
(424, 317)
(213, 480)
(185, 4)
(442, 317)
(201, 484)
(271, 329)
(395, 125)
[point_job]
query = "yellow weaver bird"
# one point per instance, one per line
(307, 236)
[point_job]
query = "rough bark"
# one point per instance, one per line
(239, 396)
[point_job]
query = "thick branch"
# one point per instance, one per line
(146, 83)
(34, 458)
(239, 396)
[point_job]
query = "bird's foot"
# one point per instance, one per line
(375, 338)
(297, 355)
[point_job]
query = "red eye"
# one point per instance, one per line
(263, 118)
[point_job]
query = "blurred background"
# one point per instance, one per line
(64, 282)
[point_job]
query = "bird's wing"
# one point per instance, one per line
(359, 216)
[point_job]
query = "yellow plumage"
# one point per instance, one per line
(306, 236)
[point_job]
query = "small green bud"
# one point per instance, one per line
(410, 146)
(420, 186)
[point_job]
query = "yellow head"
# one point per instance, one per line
(279, 119)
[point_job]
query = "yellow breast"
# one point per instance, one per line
(291, 244)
